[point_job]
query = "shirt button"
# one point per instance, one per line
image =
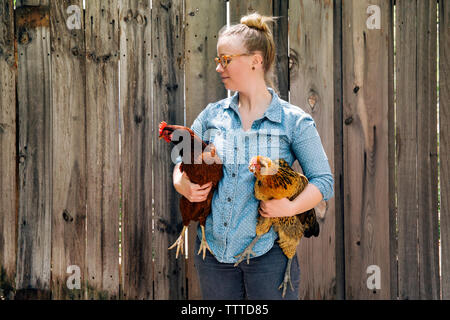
(233, 174)
(225, 224)
(229, 199)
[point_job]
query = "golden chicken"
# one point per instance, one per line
(277, 180)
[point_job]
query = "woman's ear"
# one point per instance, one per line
(257, 59)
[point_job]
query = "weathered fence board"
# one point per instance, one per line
(136, 149)
(444, 143)
(68, 139)
(365, 54)
(202, 86)
(34, 152)
(102, 145)
(427, 169)
(280, 35)
(311, 89)
(417, 150)
(338, 152)
(8, 154)
(168, 105)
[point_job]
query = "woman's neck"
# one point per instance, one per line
(256, 98)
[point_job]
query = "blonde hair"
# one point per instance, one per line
(257, 36)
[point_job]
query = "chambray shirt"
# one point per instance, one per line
(285, 131)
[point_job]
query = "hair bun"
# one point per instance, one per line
(257, 21)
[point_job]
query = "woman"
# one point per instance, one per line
(237, 127)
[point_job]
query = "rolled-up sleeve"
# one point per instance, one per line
(308, 149)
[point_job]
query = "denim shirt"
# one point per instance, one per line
(284, 131)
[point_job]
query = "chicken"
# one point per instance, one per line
(277, 180)
(204, 166)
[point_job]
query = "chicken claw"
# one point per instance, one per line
(180, 242)
(204, 245)
(248, 252)
(287, 279)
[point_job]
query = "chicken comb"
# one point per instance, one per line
(162, 125)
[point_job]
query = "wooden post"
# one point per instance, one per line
(102, 145)
(8, 155)
(136, 149)
(35, 151)
(168, 101)
(204, 19)
(68, 141)
(312, 89)
(366, 32)
(444, 144)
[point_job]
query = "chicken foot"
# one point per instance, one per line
(180, 242)
(287, 279)
(248, 252)
(204, 245)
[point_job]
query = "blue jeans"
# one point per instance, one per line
(258, 280)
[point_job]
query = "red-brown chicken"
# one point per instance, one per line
(204, 166)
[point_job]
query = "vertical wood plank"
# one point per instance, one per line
(136, 149)
(204, 19)
(35, 152)
(168, 101)
(102, 145)
(338, 152)
(8, 155)
(366, 146)
(444, 142)
(393, 247)
(281, 35)
(312, 89)
(69, 148)
(417, 150)
(427, 174)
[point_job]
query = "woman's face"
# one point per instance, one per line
(235, 76)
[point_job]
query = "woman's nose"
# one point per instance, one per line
(219, 68)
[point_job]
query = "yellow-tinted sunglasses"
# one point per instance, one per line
(225, 59)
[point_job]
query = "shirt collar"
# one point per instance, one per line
(273, 112)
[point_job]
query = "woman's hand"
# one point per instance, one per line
(277, 208)
(306, 200)
(191, 191)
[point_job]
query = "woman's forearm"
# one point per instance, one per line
(308, 199)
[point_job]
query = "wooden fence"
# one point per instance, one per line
(87, 203)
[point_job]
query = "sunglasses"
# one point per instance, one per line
(225, 59)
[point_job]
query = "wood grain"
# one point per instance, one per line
(427, 166)
(168, 101)
(102, 145)
(366, 98)
(136, 149)
(312, 90)
(444, 142)
(8, 155)
(34, 152)
(68, 141)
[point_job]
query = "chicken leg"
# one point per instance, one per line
(262, 227)
(204, 245)
(287, 278)
(248, 252)
(180, 242)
